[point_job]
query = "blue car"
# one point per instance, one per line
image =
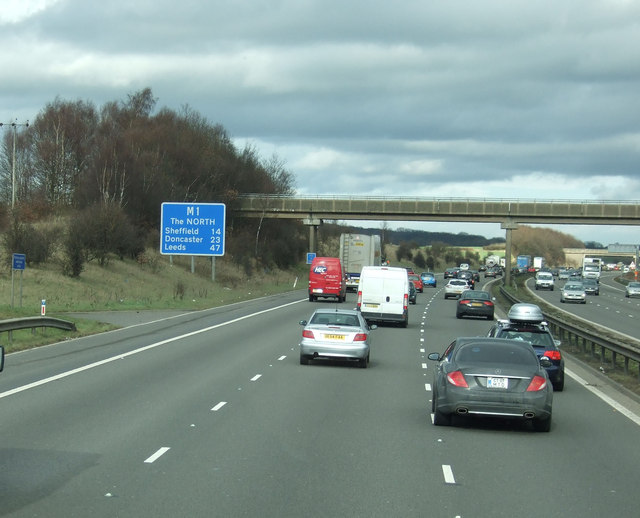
(428, 279)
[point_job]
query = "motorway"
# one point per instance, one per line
(210, 414)
(610, 308)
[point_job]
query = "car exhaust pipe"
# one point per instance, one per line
(462, 411)
(529, 415)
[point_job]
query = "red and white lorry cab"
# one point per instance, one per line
(326, 279)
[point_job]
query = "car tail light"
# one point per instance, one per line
(553, 355)
(307, 334)
(456, 378)
(537, 383)
(360, 337)
(464, 301)
(488, 303)
(406, 301)
(359, 299)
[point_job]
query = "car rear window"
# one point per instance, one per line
(489, 353)
(335, 319)
(536, 337)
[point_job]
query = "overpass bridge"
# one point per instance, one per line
(509, 213)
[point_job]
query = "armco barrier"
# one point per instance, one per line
(618, 343)
(13, 324)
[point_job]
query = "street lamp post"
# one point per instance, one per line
(14, 125)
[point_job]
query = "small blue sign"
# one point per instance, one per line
(19, 261)
(310, 257)
(192, 228)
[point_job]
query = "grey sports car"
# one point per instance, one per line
(491, 377)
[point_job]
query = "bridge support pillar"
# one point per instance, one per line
(313, 224)
(508, 226)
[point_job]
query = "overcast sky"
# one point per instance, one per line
(439, 98)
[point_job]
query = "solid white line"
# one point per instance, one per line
(448, 474)
(611, 402)
(136, 351)
(256, 377)
(218, 406)
(157, 455)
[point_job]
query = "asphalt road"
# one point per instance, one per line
(210, 414)
(610, 308)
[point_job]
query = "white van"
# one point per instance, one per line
(383, 294)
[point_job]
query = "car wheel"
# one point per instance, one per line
(405, 322)
(551, 288)
(311, 298)
(304, 360)
(562, 300)
(583, 302)
(558, 386)
(458, 315)
(542, 425)
(441, 419)
(362, 363)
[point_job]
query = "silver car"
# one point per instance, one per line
(339, 334)
(455, 287)
(632, 289)
(573, 292)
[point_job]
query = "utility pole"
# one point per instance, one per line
(14, 125)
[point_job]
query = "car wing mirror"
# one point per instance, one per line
(558, 343)
(434, 356)
(303, 322)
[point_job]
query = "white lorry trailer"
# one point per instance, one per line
(356, 252)
(591, 268)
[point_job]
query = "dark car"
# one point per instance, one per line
(491, 377)
(468, 276)
(413, 293)
(526, 324)
(451, 273)
(591, 286)
(475, 304)
(429, 279)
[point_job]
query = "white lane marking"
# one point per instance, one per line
(136, 351)
(281, 358)
(157, 455)
(611, 402)
(256, 377)
(424, 365)
(422, 349)
(427, 387)
(448, 474)
(218, 406)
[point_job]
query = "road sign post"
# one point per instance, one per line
(19, 262)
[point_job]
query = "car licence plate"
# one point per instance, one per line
(476, 304)
(497, 382)
(334, 337)
(374, 306)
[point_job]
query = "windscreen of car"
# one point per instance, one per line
(573, 287)
(495, 354)
(535, 336)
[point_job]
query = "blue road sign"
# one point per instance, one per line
(310, 257)
(19, 261)
(192, 228)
